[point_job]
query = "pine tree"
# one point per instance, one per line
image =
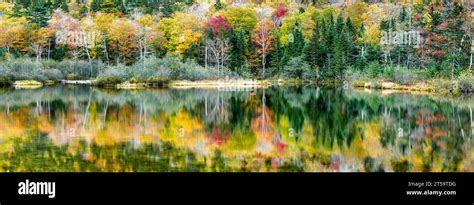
(403, 15)
(18, 10)
(353, 38)
(191, 53)
(312, 51)
(218, 5)
(339, 23)
(108, 7)
(361, 31)
(296, 42)
(38, 14)
(152, 6)
(285, 58)
(64, 6)
(95, 5)
(351, 29)
(237, 53)
(168, 8)
(189, 2)
(251, 56)
(83, 10)
(118, 4)
(454, 30)
(277, 54)
(49, 6)
(341, 52)
(337, 57)
(330, 38)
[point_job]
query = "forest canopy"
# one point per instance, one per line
(247, 38)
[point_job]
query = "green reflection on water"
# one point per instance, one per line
(303, 129)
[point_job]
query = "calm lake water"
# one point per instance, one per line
(303, 129)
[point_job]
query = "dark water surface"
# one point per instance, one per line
(303, 129)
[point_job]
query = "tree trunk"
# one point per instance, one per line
(472, 122)
(262, 128)
(263, 62)
(470, 64)
(36, 52)
(49, 49)
(222, 57)
(205, 58)
(140, 45)
(105, 113)
(106, 52)
(205, 104)
(86, 112)
(145, 51)
(88, 54)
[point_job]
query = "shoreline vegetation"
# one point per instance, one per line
(28, 74)
(437, 86)
(420, 47)
(130, 128)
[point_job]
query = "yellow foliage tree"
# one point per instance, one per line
(305, 21)
(356, 11)
(102, 23)
(123, 37)
(145, 23)
(372, 18)
(177, 33)
(12, 34)
(241, 17)
(5, 8)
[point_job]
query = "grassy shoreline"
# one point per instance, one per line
(434, 86)
(440, 86)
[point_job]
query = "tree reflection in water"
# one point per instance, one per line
(305, 129)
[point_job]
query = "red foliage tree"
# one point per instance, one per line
(280, 11)
(278, 15)
(218, 24)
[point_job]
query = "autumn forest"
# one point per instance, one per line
(236, 86)
(114, 41)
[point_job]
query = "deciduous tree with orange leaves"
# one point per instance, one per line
(123, 38)
(40, 41)
(263, 38)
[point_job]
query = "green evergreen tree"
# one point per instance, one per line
(296, 42)
(18, 10)
(38, 14)
(353, 40)
(361, 31)
(108, 7)
(64, 5)
(120, 6)
(191, 53)
(312, 51)
(83, 10)
(339, 23)
(403, 15)
(152, 6)
(277, 54)
(218, 5)
(95, 5)
(49, 6)
(285, 58)
(341, 52)
(353, 33)
(168, 8)
(330, 38)
(237, 52)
